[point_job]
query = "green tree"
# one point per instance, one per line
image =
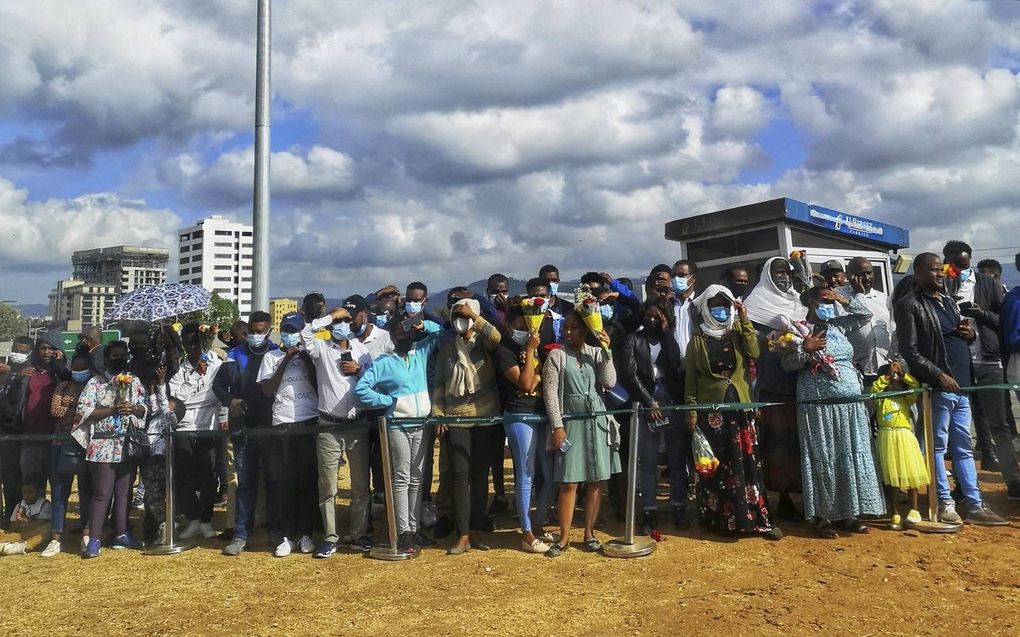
(11, 323)
(221, 312)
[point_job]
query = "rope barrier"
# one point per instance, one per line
(471, 421)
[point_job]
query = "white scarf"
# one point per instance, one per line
(766, 303)
(464, 377)
(710, 325)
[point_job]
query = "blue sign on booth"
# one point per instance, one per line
(844, 223)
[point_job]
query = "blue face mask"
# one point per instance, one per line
(380, 320)
(554, 287)
(825, 311)
(81, 376)
(341, 331)
(414, 307)
(606, 311)
(679, 284)
(966, 274)
(358, 332)
(520, 336)
(290, 340)
(256, 340)
(721, 314)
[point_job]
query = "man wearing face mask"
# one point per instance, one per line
(11, 397)
(497, 291)
(551, 275)
(551, 330)
(980, 300)
(33, 416)
(237, 388)
(339, 362)
(682, 284)
(873, 340)
(737, 280)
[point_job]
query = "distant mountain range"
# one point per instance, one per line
(33, 309)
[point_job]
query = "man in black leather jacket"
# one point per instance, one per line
(934, 339)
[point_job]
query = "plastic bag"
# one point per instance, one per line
(705, 461)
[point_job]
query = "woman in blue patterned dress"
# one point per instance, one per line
(837, 466)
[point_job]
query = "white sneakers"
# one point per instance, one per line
(14, 548)
(196, 528)
(53, 548)
(284, 549)
(306, 545)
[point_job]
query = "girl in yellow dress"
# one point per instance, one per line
(901, 464)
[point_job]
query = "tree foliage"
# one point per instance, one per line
(11, 323)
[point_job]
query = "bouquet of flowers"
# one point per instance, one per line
(952, 279)
(534, 312)
(587, 307)
(791, 336)
(122, 389)
(801, 269)
(705, 461)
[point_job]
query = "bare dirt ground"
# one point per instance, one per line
(882, 583)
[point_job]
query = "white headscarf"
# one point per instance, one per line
(709, 324)
(464, 378)
(766, 303)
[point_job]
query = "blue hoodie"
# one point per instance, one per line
(400, 383)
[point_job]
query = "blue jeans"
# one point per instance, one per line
(678, 451)
(252, 455)
(951, 421)
(60, 485)
(533, 469)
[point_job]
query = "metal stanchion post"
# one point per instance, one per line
(169, 546)
(389, 553)
(932, 524)
(629, 545)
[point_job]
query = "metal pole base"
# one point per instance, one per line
(924, 526)
(168, 549)
(640, 547)
(390, 554)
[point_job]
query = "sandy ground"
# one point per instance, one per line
(882, 583)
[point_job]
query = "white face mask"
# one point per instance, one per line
(17, 358)
(461, 324)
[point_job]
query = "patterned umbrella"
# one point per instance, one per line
(155, 302)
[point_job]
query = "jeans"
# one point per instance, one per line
(60, 486)
(470, 453)
(677, 439)
(951, 421)
(109, 480)
(330, 447)
(154, 498)
(533, 469)
(407, 459)
(252, 455)
(195, 476)
(997, 430)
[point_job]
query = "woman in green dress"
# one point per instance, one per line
(573, 380)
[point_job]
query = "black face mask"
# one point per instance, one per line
(738, 289)
(116, 365)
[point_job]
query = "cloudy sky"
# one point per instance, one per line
(447, 140)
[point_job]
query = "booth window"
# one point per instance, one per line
(750, 242)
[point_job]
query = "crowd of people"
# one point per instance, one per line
(549, 374)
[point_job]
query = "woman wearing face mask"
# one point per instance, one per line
(772, 300)
(111, 409)
(519, 367)
(731, 499)
(839, 477)
(466, 385)
(68, 460)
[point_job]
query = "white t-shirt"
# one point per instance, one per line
(296, 399)
(38, 510)
(655, 349)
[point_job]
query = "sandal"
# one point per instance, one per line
(856, 526)
(556, 550)
(591, 545)
(825, 530)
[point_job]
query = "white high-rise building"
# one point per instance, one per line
(217, 254)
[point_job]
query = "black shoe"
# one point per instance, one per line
(444, 527)
(423, 540)
(1013, 491)
(488, 526)
(405, 542)
(786, 509)
(989, 462)
(649, 522)
(499, 505)
(226, 536)
(680, 520)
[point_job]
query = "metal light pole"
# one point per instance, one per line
(260, 210)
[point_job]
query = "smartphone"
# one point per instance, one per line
(346, 357)
(565, 446)
(411, 322)
(820, 329)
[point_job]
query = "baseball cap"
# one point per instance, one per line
(292, 321)
(832, 264)
(354, 304)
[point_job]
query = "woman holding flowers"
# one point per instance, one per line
(731, 498)
(837, 467)
(573, 379)
(109, 409)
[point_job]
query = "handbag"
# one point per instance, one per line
(136, 446)
(70, 459)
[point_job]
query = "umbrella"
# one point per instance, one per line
(155, 302)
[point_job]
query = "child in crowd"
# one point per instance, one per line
(901, 463)
(30, 522)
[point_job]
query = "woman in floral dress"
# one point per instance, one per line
(731, 499)
(107, 410)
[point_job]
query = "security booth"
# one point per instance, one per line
(752, 234)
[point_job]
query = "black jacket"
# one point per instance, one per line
(919, 337)
(637, 374)
(233, 382)
(988, 297)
